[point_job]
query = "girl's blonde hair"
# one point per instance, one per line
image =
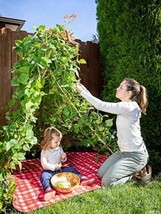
(139, 93)
(46, 142)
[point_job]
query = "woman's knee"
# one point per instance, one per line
(107, 181)
(100, 173)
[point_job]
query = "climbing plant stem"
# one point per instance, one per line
(70, 102)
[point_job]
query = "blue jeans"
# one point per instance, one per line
(46, 175)
(120, 166)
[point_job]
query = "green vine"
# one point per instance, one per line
(65, 95)
(44, 95)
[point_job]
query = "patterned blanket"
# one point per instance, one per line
(29, 193)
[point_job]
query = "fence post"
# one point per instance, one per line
(5, 71)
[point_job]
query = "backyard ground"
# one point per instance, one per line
(130, 198)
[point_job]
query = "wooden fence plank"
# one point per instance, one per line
(1, 78)
(5, 74)
(94, 69)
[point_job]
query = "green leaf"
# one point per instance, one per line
(82, 61)
(18, 156)
(15, 81)
(23, 78)
(109, 122)
(29, 104)
(101, 128)
(1, 177)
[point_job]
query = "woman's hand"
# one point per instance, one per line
(80, 87)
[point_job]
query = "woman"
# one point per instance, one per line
(133, 155)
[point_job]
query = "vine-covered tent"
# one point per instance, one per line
(44, 95)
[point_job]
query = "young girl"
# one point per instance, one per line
(52, 158)
(133, 155)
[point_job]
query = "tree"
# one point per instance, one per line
(130, 46)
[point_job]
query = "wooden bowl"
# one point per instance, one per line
(65, 182)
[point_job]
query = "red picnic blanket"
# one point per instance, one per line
(29, 193)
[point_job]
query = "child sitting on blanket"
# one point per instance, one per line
(52, 159)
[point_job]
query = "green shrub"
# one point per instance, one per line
(130, 45)
(7, 188)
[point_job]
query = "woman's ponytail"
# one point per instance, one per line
(142, 99)
(139, 93)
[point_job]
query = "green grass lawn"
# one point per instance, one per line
(130, 198)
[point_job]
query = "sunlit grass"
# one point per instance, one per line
(130, 198)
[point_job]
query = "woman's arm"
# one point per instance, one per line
(113, 108)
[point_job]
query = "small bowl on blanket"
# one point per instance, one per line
(65, 182)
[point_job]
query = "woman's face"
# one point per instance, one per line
(122, 93)
(55, 141)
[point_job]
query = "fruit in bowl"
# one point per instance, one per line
(65, 182)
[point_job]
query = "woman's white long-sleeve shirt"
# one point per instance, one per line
(127, 122)
(51, 157)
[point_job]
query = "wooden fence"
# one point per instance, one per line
(90, 73)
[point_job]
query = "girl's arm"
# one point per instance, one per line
(46, 165)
